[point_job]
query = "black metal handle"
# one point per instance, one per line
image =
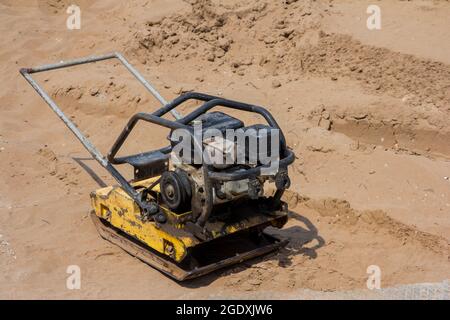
(132, 123)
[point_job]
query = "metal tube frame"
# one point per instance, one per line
(96, 154)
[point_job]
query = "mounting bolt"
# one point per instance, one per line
(161, 218)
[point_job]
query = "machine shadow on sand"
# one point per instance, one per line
(297, 236)
(89, 170)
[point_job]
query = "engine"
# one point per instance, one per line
(220, 144)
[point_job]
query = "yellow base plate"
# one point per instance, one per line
(171, 239)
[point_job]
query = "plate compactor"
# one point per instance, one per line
(184, 218)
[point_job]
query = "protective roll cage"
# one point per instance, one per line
(286, 156)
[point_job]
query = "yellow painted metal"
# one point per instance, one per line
(115, 206)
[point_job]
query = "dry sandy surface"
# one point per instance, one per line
(366, 112)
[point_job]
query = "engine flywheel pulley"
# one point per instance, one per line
(175, 190)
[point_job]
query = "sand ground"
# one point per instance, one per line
(366, 112)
